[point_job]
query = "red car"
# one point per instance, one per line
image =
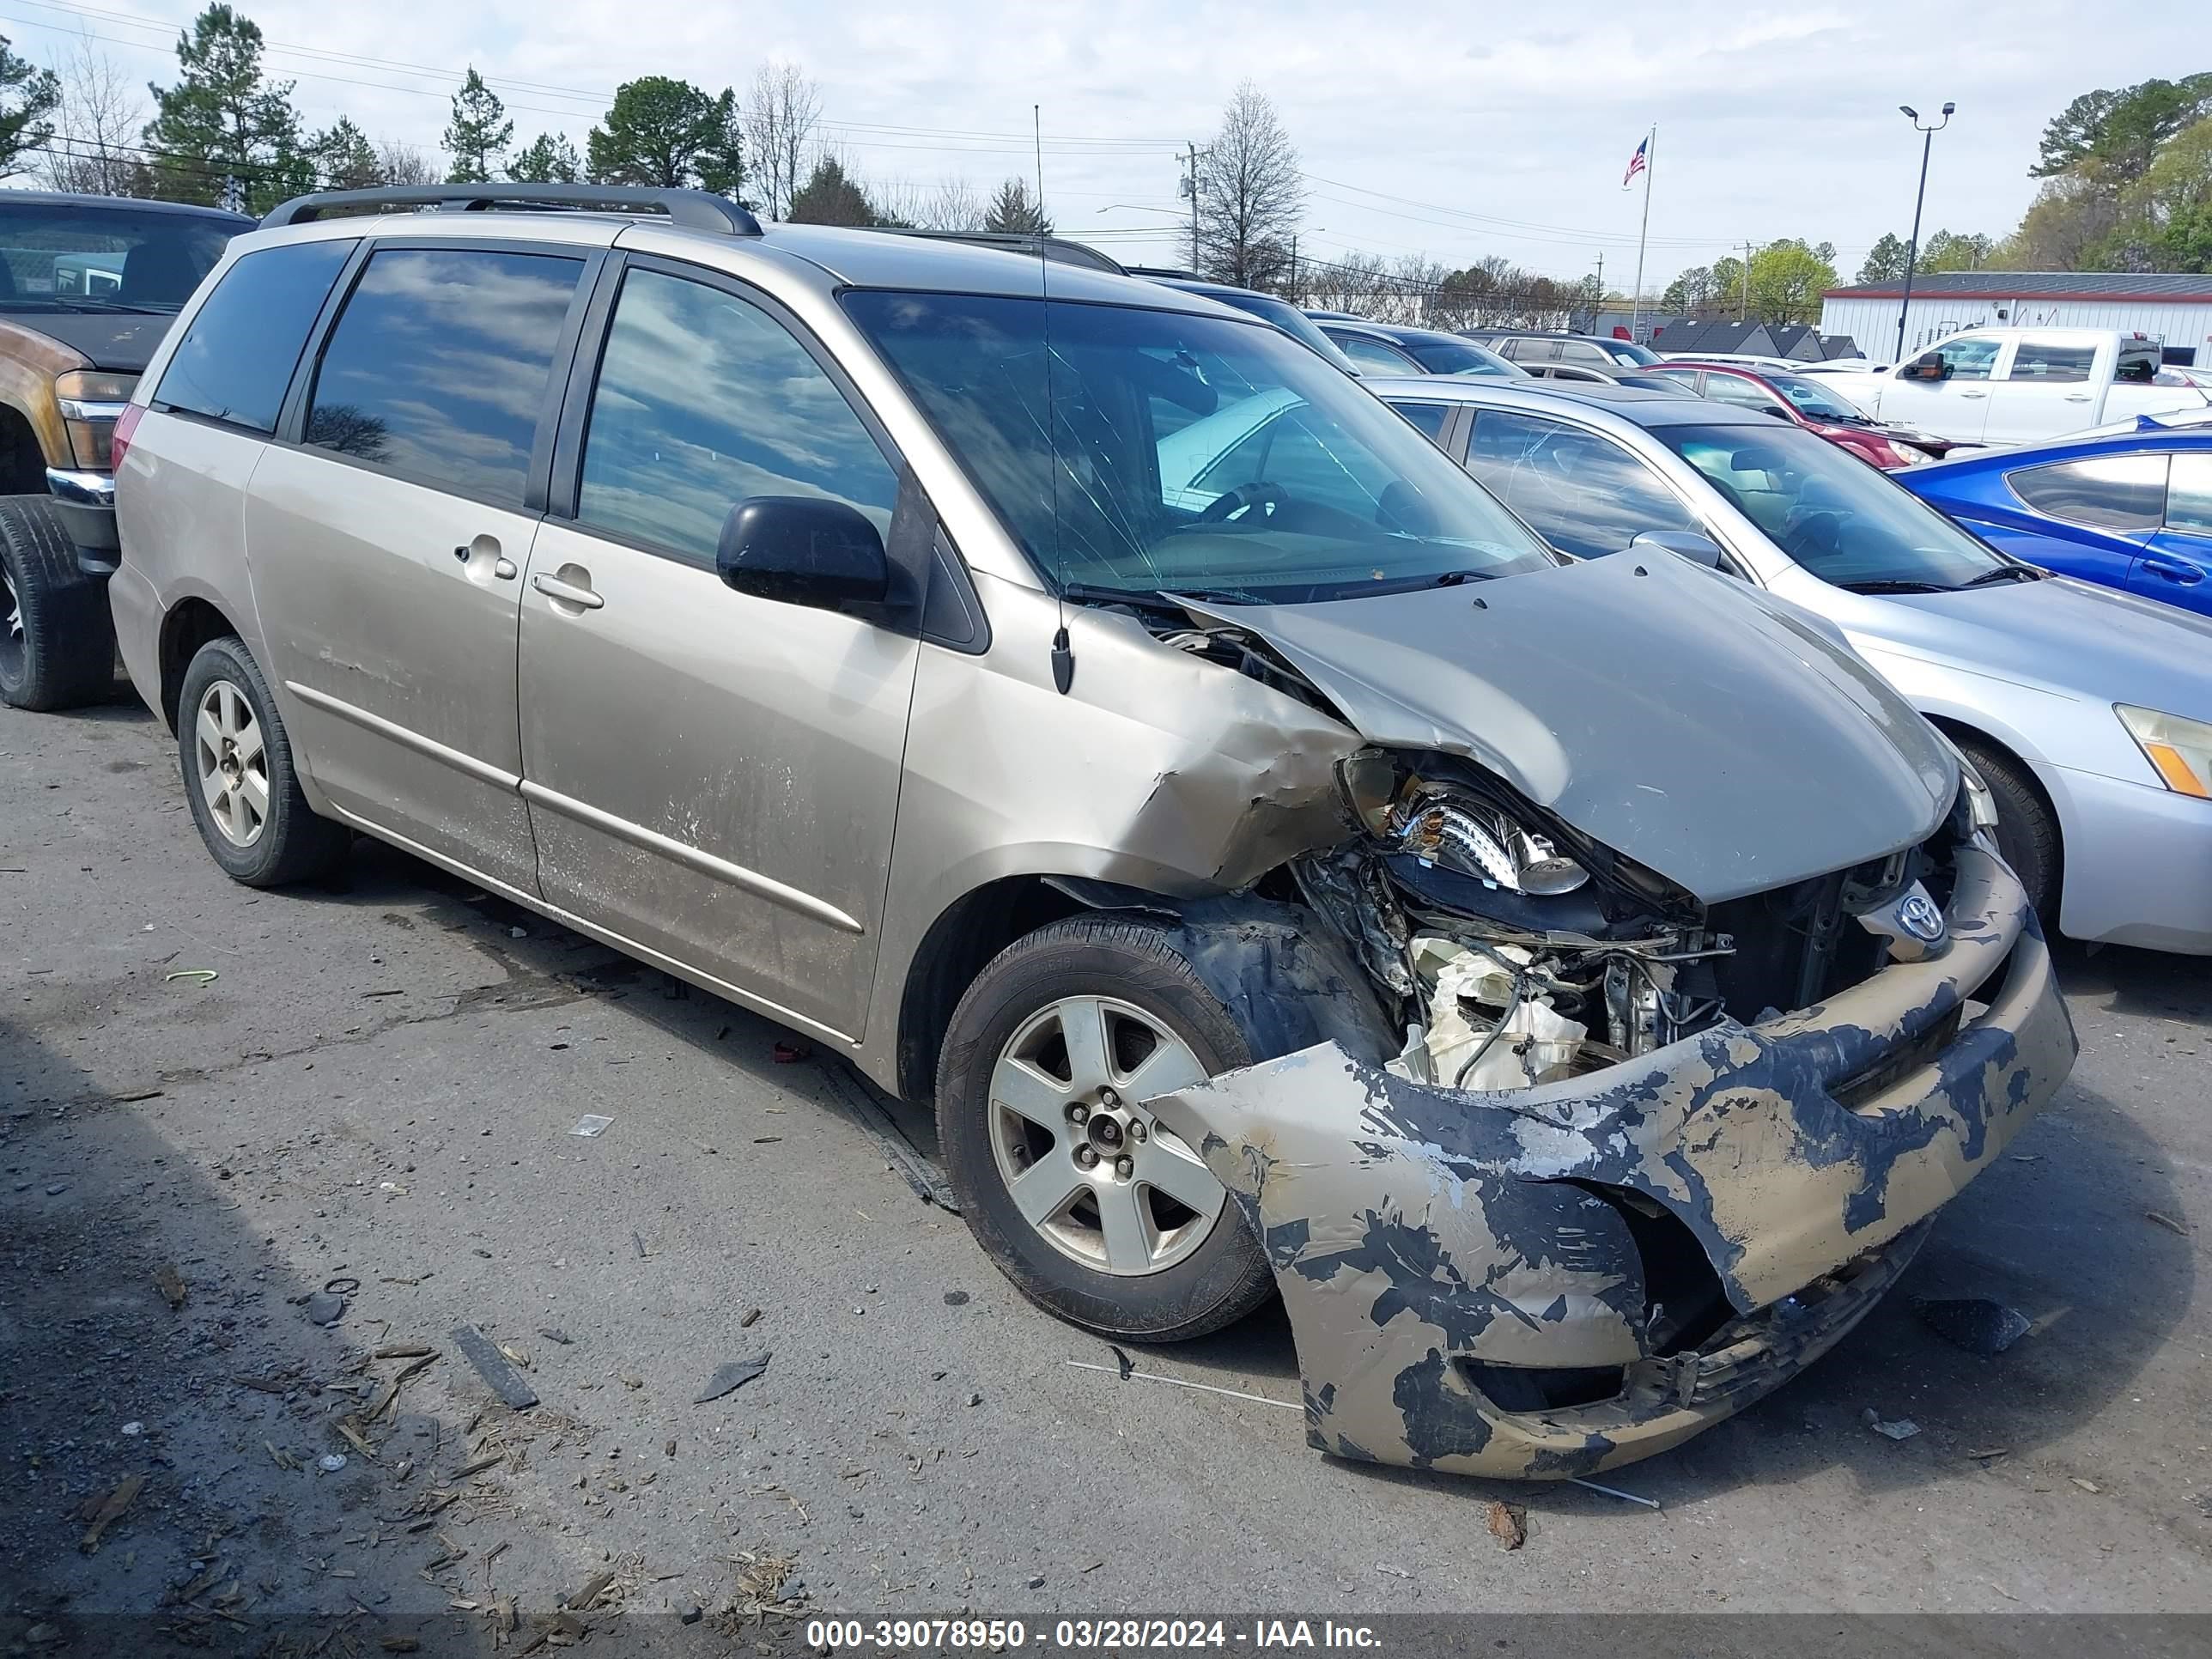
(1803, 401)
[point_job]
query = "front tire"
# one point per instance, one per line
(57, 638)
(1096, 1210)
(239, 777)
(2027, 834)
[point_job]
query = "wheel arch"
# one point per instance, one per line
(186, 627)
(1277, 966)
(1969, 734)
(22, 457)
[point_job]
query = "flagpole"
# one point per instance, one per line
(1650, 160)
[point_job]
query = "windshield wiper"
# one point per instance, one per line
(1455, 578)
(1896, 586)
(1156, 598)
(2007, 573)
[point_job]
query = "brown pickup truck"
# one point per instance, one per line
(87, 287)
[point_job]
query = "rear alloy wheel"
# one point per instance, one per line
(232, 759)
(1097, 1211)
(239, 777)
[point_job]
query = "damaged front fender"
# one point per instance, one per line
(1428, 1242)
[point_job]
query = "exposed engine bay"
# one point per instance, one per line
(1513, 951)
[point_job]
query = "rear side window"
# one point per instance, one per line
(1430, 418)
(1373, 357)
(2117, 492)
(2188, 496)
(439, 366)
(2045, 362)
(1580, 491)
(238, 354)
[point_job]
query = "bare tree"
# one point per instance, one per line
(1250, 194)
(951, 205)
(781, 113)
(403, 164)
(94, 149)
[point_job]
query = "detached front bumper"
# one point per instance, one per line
(1433, 1244)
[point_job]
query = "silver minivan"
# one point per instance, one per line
(1573, 986)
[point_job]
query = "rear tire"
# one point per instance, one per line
(2027, 833)
(57, 638)
(1125, 1255)
(238, 774)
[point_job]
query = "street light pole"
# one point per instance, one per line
(1912, 250)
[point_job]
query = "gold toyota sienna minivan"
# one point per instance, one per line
(1572, 985)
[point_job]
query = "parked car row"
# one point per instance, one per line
(1075, 700)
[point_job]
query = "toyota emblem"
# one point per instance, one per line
(1917, 915)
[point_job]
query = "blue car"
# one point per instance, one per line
(2127, 506)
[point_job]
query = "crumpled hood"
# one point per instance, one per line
(1661, 708)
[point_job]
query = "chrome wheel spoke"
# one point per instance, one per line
(1169, 1166)
(249, 743)
(254, 788)
(1043, 1192)
(1169, 1067)
(1083, 1029)
(1131, 1241)
(210, 734)
(1023, 1089)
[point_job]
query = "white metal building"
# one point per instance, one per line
(2174, 308)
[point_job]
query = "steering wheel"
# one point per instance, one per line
(1259, 493)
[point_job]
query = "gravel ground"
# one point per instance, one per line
(370, 1101)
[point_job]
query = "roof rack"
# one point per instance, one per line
(694, 209)
(1058, 249)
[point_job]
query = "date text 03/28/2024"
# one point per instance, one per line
(1117, 1635)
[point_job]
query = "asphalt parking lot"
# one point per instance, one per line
(377, 1084)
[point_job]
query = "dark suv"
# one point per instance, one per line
(88, 286)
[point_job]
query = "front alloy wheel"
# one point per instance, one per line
(1078, 1194)
(1102, 1179)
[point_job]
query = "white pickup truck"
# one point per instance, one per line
(2017, 385)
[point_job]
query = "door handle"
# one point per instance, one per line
(1973, 394)
(2077, 396)
(564, 592)
(2174, 570)
(505, 570)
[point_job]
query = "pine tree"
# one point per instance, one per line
(1013, 210)
(549, 159)
(830, 196)
(479, 133)
(343, 157)
(223, 123)
(27, 96)
(669, 134)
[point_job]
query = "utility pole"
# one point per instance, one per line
(1598, 304)
(1744, 315)
(1912, 250)
(1190, 189)
(1294, 267)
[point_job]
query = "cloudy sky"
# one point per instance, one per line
(1451, 130)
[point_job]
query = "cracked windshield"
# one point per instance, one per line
(1180, 453)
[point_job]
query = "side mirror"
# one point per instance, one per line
(1927, 367)
(1775, 409)
(803, 549)
(1684, 543)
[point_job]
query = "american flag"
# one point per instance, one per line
(1635, 163)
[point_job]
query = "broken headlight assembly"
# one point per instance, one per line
(1523, 953)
